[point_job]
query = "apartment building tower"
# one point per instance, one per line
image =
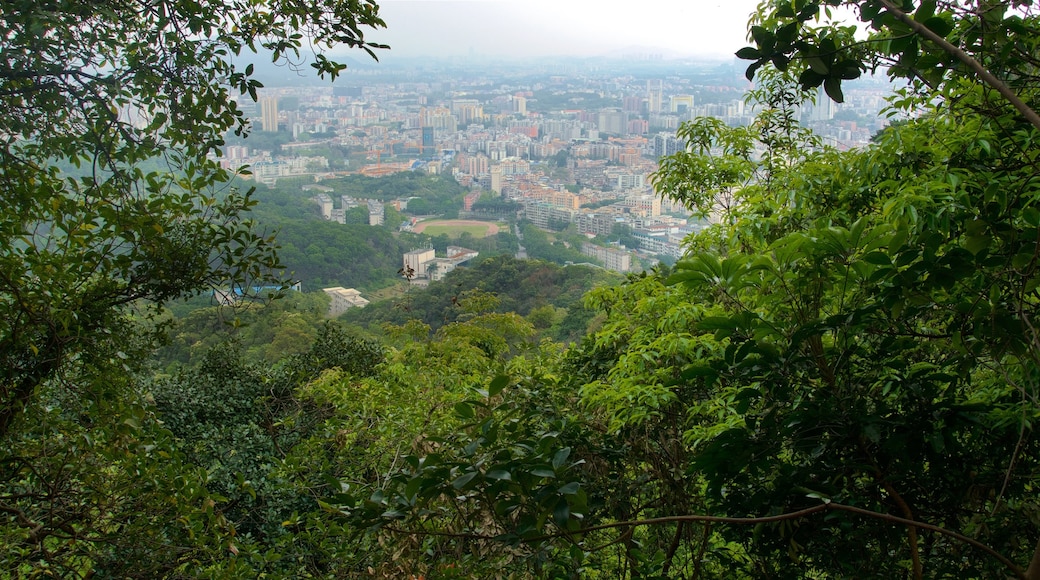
(269, 114)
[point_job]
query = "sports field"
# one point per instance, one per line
(455, 228)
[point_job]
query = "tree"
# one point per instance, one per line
(356, 215)
(876, 307)
(931, 43)
(112, 115)
(88, 228)
(265, 445)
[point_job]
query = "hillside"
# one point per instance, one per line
(549, 292)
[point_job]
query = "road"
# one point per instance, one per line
(521, 252)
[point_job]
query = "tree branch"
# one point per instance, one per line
(830, 506)
(968, 60)
(1033, 572)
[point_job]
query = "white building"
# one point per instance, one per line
(612, 259)
(325, 202)
(343, 299)
(416, 261)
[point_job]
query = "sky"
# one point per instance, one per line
(533, 28)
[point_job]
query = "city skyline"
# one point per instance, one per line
(582, 28)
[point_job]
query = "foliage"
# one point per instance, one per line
(622, 234)
(838, 380)
(112, 115)
(265, 331)
(322, 254)
(79, 247)
(934, 43)
(864, 338)
(95, 486)
(284, 446)
(630, 377)
(260, 140)
(520, 286)
(504, 474)
(439, 194)
(497, 207)
(263, 437)
(540, 246)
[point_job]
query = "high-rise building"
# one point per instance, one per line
(822, 110)
(665, 144)
(654, 90)
(496, 179)
(646, 205)
(631, 181)
(467, 111)
(269, 114)
(428, 147)
(633, 104)
(343, 299)
(613, 121)
(344, 91)
(680, 103)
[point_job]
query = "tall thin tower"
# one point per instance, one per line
(654, 90)
(269, 114)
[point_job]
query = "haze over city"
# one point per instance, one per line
(533, 28)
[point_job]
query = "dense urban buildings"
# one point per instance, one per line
(577, 146)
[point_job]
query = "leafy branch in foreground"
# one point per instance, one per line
(577, 534)
(931, 42)
(93, 98)
(112, 114)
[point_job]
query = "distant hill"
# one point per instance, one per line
(526, 287)
(321, 253)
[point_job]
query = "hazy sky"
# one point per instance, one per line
(563, 27)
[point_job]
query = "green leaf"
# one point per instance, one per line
(817, 65)
(570, 489)
(832, 86)
(1031, 216)
(763, 37)
(939, 25)
(562, 512)
(878, 258)
(976, 244)
(718, 323)
(412, 488)
(749, 74)
(1022, 260)
(464, 410)
(749, 53)
(925, 10)
(809, 11)
(464, 480)
(560, 457)
(698, 370)
(543, 472)
(499, 474)
(497, 384)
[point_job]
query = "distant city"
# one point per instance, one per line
(560, 142)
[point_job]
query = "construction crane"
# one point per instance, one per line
(377, 152)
